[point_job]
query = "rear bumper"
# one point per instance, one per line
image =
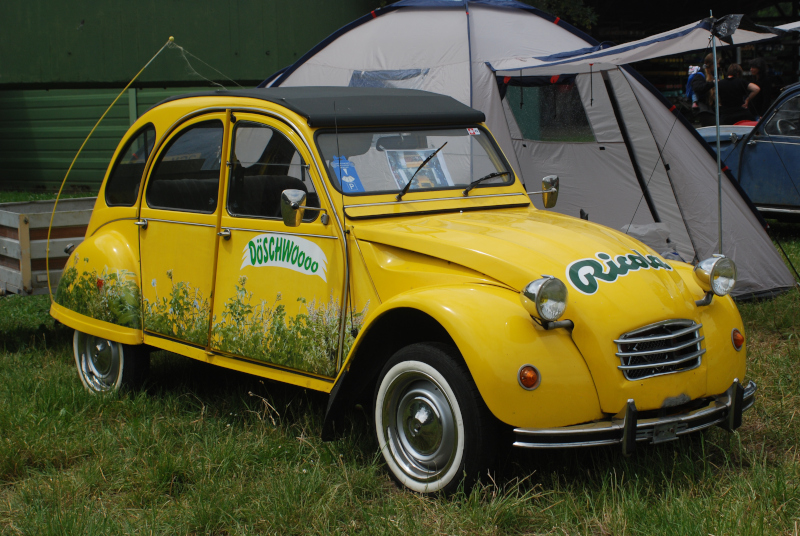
(626, 429)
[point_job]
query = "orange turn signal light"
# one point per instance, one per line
(737, 338)
(529, 377)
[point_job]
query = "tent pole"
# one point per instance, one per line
(719, 158)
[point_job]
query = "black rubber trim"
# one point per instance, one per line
(430, 212)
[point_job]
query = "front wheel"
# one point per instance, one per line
(432, 425)
(106, 366)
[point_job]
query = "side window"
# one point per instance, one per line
(265, 163)
(786, 121)
(186, 175)
(122, 187)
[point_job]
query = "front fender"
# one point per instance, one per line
(496, 336)
(99, 288)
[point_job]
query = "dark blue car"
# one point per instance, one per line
(765, 159)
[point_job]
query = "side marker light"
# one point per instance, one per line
(737, 338)
(529, 377)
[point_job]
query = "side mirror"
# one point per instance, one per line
(292, 207)
(550, 191)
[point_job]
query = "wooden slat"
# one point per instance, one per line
(73, 231)
(55, 264)
(9, 232)
(8, 262)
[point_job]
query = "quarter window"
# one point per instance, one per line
(265, 163)
(122, 187)
(786, 121)
(186, 175)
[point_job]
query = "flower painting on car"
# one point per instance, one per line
(110, 295)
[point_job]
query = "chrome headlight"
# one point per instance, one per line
(717, 275)
(545, 298)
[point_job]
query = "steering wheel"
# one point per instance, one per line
(786, 127)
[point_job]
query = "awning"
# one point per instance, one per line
(730, 29)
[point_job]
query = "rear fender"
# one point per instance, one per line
(99, 289)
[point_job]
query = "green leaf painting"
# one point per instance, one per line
(111, 296)
(182, 314)
(263, 331)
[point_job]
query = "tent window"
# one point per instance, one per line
(551, 112)
(400, 78)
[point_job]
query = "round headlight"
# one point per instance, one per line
(717, 274)
(545, 298)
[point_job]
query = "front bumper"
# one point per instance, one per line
(627, 429)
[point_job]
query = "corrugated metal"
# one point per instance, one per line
(40, 132)
(91, 42)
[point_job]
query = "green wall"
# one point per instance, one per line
(51, 43)
(63, 63)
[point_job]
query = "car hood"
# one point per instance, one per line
(616, 284)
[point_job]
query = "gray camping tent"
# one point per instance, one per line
(623, 153)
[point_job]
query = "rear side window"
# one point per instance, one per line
(186, 175)
(122, 188)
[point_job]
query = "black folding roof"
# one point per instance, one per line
(359, 106)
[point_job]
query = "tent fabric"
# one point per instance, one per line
(695, 36)
(791, 26)
(622, 154)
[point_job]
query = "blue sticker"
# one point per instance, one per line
(346, 172)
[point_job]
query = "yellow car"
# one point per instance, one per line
(376, 245)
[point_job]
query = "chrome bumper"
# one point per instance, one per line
(627, 429)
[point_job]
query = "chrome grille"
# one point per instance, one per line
(661, 348)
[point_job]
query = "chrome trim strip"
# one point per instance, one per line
(717, 410)
(184, 223)
(689, 357)
(281, 233)
(781, 210)
(672, 335)
(661, 350)
(389, 203)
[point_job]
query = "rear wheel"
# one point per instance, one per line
(432, 425)
(106, 366)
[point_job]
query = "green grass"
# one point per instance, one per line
(203, 450)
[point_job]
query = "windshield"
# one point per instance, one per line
(384, 161)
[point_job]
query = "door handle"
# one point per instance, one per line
(141, 223)
(225, 233)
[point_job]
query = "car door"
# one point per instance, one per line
(178, 226)
(770, 169)
(278, 289)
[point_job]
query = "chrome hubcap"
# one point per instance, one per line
(99, 362)
(420, 426)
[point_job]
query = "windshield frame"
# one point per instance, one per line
(390, 129)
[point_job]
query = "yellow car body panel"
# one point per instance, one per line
(461, 259)
(471, 311)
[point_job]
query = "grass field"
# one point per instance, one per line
(203, 450)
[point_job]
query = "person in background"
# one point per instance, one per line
(761, 78)
(694, 71)
(735, 96)
(703, 87)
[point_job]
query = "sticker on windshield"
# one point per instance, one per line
(474, 131)
(283, 251)
(585, 274)
(404, 163)
(346, 172)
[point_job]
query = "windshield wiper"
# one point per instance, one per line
(474, 183)
(408, 184)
